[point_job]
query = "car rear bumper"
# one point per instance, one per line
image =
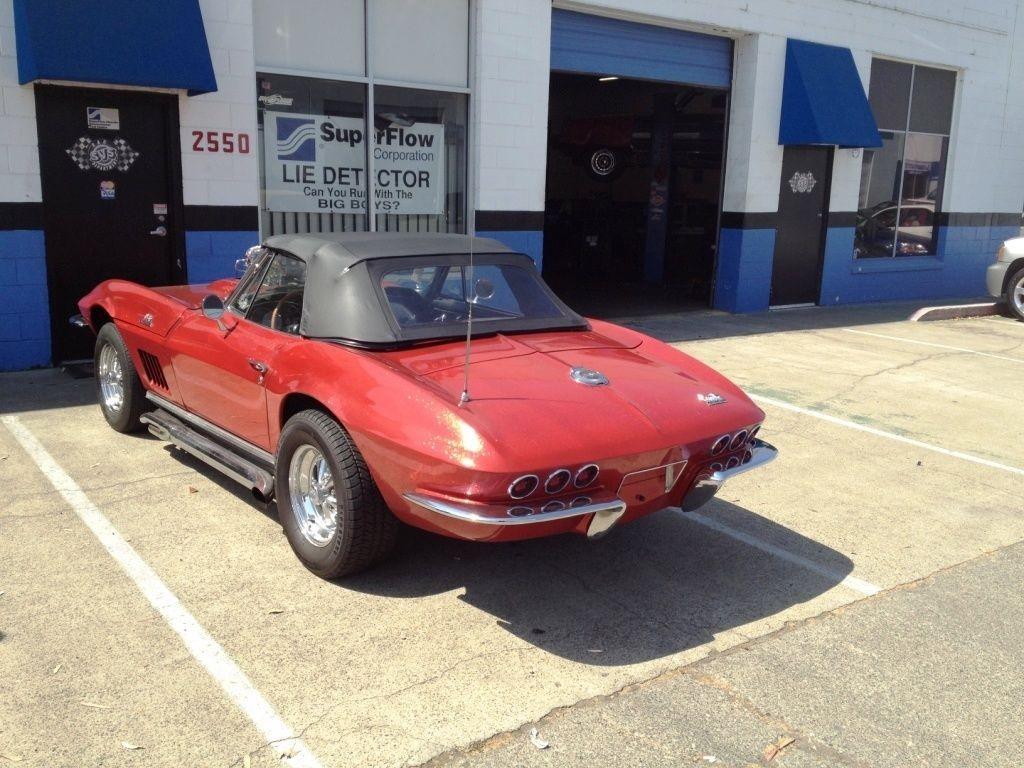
(500, 521)
(995, 278)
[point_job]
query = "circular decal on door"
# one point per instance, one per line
(802, 182)
(102, 155)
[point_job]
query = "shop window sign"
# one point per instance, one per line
(317, 164)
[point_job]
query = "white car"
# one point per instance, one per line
(1005, 278)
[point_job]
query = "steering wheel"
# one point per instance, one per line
(292, 297)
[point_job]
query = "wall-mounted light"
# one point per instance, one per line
(607, 79)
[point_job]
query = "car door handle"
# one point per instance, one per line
(160, 231)
(260, 367)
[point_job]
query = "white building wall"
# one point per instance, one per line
(512, 55)
(19, 147)
(223, 178)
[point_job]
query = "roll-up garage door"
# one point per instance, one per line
(597, 45)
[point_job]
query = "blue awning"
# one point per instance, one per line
(823, 100)
(149, 43)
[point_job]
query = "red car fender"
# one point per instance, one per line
(410, 434)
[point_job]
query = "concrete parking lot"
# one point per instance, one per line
(856, 603)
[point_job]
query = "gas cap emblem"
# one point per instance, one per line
(588, 376)
(710, 398)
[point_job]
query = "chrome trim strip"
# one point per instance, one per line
(213, 429)
(468, 515)
(78, 321)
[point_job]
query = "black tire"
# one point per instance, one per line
(1014, 284)
(604, 164)
(365, 529)
(133, 404)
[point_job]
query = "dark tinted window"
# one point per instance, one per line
(889, 93)
(931, 110)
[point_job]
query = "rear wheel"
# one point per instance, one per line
(332, 512)
(1015, 293)
(121, 394)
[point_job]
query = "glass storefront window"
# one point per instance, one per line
(419, 160)
(325, 163)
(901, 182)
(313, 147)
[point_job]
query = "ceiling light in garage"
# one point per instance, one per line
(607, 79)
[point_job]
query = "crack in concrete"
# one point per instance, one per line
(692, 670)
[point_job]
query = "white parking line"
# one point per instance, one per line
(850, 582)
(292, 751)
(888, 435)
(938, 346)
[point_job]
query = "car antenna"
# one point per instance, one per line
(469, 322)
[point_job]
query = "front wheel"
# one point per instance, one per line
(1015, 293)
(332, 512)
(121, 394)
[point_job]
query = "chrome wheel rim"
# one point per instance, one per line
(1017, 295)
(313, 499)
(111, 377)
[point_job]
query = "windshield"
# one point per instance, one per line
(438, 296)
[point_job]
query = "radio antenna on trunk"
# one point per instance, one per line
(468, 286)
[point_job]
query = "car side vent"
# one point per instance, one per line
(154, 371)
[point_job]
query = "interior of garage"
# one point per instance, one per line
(634, 177)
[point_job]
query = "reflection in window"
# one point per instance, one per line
(901, 182)
(440, 295)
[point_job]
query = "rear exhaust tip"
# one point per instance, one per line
(262, 497)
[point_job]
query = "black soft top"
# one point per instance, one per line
(344, 300)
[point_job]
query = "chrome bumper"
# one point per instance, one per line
(78, 321)
(995, 277)
(706, 487)
(605, 513)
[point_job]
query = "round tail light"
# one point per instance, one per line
(580, 501)
(716, 467)
(519, 511)
(733, 462)
(720, 445)
(557, 481)
(738, 439)
(747, 456)
(553, 506)
(753, 432)
(523, 486)
(586, 475)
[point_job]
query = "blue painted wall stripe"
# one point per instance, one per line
(212, 255)
(530, 242)
(24, 301)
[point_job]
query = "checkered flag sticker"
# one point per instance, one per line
(125, 154)
(102, 155)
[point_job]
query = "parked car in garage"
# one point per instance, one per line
(1005, 278)
(337, 374)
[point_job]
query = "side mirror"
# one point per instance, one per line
(213, 309)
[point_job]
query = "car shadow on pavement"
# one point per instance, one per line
(653, 588)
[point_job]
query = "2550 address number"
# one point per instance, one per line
(220, 141)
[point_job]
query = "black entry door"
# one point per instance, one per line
(110, 166)
(800, 234)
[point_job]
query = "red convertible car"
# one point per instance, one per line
(367, 379)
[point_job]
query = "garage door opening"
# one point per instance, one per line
(634, 180)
